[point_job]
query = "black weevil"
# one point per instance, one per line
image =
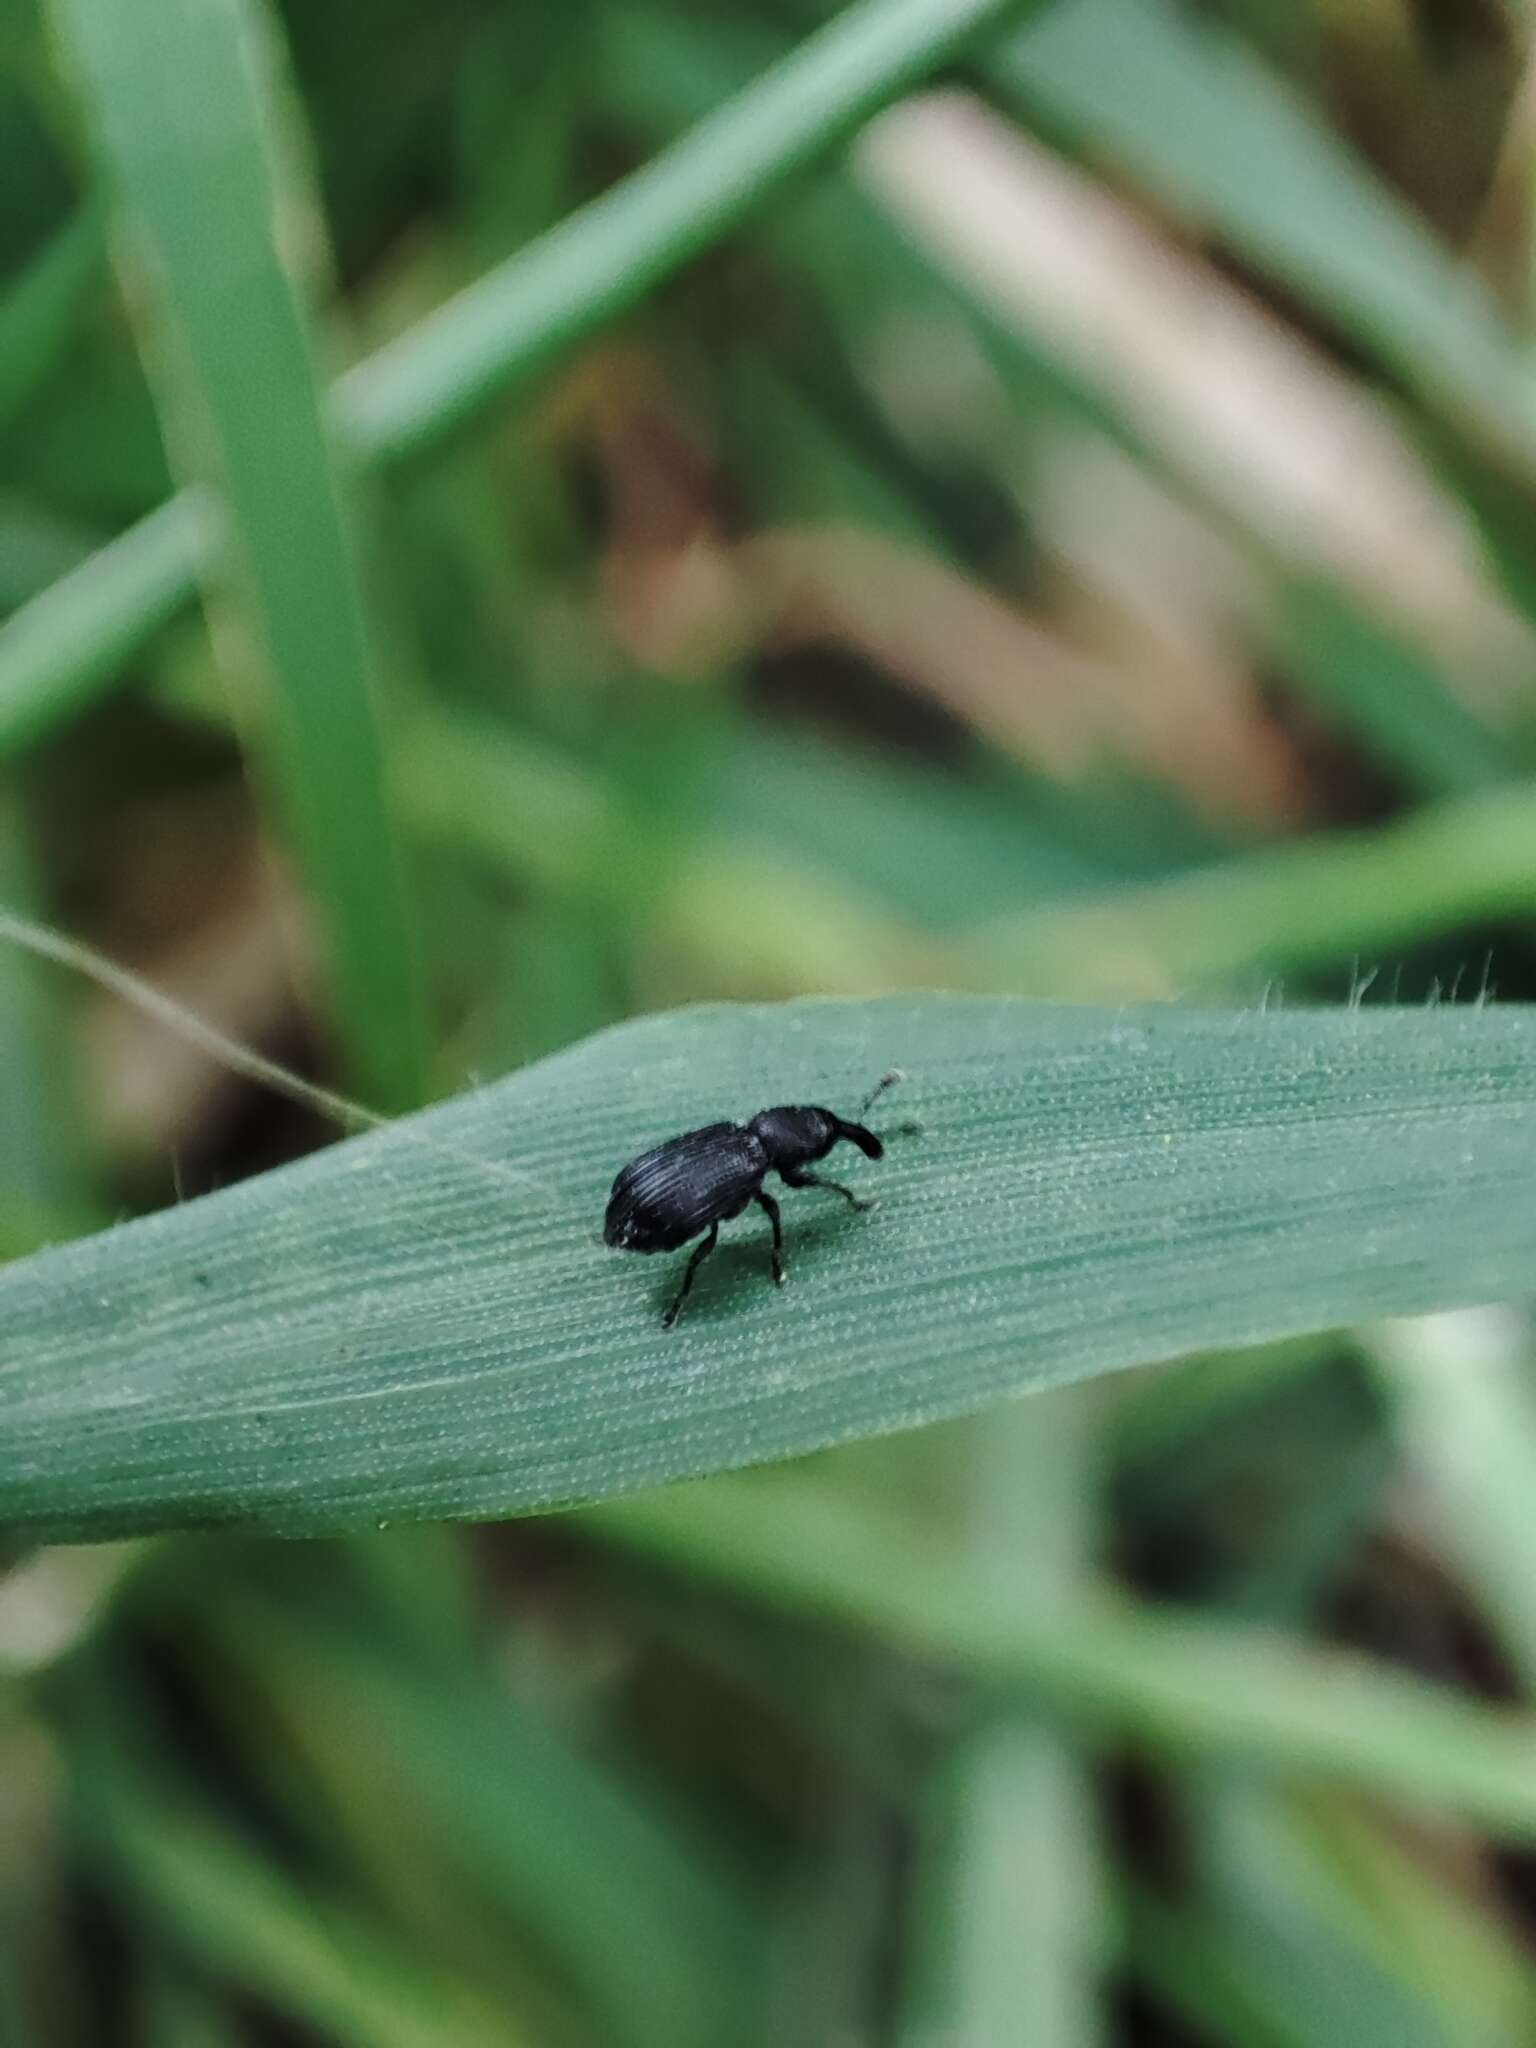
(700, 1180)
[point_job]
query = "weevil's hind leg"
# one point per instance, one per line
(701, 1253)
(798, 1177)
(771, 1209)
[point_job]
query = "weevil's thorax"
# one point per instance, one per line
(794, 1136)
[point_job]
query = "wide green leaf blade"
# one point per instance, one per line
(422, 1322)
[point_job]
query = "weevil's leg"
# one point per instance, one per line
(701, 1253)
(771, 1208)
(798, 1177)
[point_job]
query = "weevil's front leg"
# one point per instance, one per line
(700, 1255)
(767, 1203)
(798, 1177)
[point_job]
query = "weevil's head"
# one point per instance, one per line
(793, 1134)
(800, 1134)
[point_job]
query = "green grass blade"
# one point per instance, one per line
(314, 1957)
(579, 1857)
(1378, 684)
(37, 546)
(1467, 1962)
(1012, 1931)
(600, 260)
(1326, 1963)
(396, 1328)
(1459, 1388)
(67, 645)
(1274, 1899)
(1308, 903)
(515, 320)
(1179, 1956)
(183, 104)
(1169, 1681)
(1187, 107)
(753, 909)
(39, 310)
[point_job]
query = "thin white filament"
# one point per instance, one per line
(229, 1052)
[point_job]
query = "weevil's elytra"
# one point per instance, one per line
(702, 1179)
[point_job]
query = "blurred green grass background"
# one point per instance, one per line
(1034, 499)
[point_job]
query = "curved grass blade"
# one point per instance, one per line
(39, 311)
(422, 1322)
(1102, 1668)
(1185, 105)
(311, 1952)
(601, 259)
(514, 321)
(185, 110)
(1297, 904)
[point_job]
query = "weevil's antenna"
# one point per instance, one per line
(229, 1052)
(885, 1081)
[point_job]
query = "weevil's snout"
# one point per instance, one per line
(619, 1230)
(856, 1134)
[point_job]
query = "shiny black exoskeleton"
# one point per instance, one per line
(702, 1179)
